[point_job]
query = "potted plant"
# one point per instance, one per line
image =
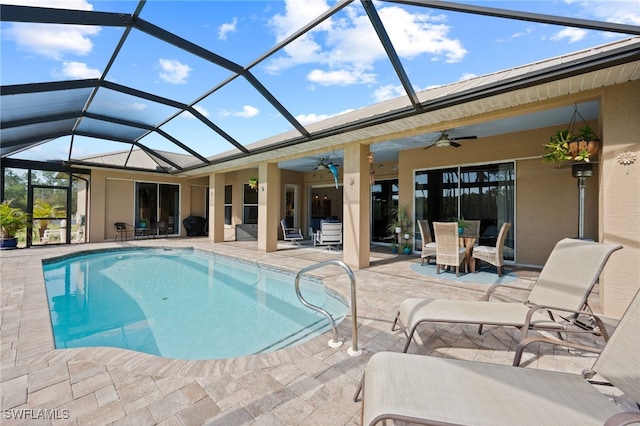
(253, 182)
(401, 226)
(44, 209)
(394, 246)
(12, 220)
(406, 245)
(567, 145)
(462, 224)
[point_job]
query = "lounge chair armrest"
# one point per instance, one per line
(559, 309)
(495, 287)
(601, 326)
(621, 419)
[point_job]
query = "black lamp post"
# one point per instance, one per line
(581, 171)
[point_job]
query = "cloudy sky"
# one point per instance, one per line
(337, 67)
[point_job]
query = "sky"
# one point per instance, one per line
(338, 67)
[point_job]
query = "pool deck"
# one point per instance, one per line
(310, 384)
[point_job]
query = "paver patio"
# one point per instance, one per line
(310, 384)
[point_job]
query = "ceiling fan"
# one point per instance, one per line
(325, 166)
(444, 140)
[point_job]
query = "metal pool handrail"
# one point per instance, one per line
(335, 342)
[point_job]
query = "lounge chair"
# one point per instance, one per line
(428, 245)
(493, 255)
(555, 303)
(448, 250)
(293, 235)
(330, 234)
(433, 390)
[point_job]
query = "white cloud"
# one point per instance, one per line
(56, 4)
(467, 76)
(137, 106)
(247, 111)
(77, 70)
(173, 71)
(224, 29)
(345, 48)
(198, 108)
(390, 91)
(305, 119)
(571, 34)
(340, 77)
(51, 40)
(414, 34)
(619, 11)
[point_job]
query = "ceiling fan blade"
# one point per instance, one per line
(455, 144)
(463, 138)
(429, 146)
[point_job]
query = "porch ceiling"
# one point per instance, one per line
(34, 114)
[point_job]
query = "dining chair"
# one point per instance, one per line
(448, 250)
(492, 255)
(428, 245)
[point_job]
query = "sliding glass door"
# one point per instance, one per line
(158, 202)
(384, 202)
(480, 192)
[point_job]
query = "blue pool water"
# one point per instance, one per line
(181, 303)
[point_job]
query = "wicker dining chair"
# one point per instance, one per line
(493, 255)
(428, 245)
(448, 250)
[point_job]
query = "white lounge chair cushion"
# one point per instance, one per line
(399, 386)
(415, 310)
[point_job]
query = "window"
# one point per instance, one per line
(250, 209)
(158, 203)
(481, 192)
(228, 202)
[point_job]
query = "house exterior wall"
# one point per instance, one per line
(620, 196)
(112, 200)
(546, 195)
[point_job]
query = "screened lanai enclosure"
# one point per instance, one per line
(165, 90)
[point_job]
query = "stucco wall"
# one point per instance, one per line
(620, 201)
(546, 195)
(112, 200)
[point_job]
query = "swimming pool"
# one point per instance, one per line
(181, 303)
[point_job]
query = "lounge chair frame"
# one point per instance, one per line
(439, 391)
(329, 234)
(555, 303)
(293, 235)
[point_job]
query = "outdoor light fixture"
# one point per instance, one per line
(372, 173)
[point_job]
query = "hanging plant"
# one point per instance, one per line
(567, 146)
(571, 144)
(253, 182)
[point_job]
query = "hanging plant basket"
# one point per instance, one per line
(253, 183)
(572, 144)
(580, 146)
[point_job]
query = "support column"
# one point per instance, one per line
(619, 197)
(356, 211)
(268, 206)
(216, 207)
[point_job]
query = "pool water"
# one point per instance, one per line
(181, 303)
